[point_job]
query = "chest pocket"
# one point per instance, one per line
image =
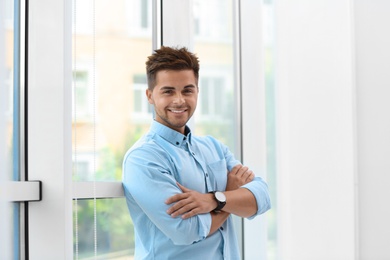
(218, 175)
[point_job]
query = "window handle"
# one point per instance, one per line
(21, 191)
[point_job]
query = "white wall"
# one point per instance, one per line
(333, 86)
(372, 25)
(315, 130)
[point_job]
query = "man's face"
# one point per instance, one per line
(174, 98)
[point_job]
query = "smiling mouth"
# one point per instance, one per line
(177, 111)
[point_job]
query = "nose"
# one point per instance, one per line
(179, 99)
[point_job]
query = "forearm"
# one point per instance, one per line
(217, 219)
(240, 202)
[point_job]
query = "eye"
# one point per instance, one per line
(167, 91)
(188, 91)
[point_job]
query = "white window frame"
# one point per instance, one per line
(50, 125)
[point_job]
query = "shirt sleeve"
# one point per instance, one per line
(148, 183)
(259, 189)
(258, 186)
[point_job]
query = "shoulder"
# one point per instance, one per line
(146, 148)
(209, 141)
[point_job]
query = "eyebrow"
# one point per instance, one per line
(170, 87)
(166, 87)
(190, 86)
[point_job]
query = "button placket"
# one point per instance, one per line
(204, 169)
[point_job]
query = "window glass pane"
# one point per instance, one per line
(108, 84)
(9, 126)
(272, 247)
(214, 44)
(114, 229)
(110, 43)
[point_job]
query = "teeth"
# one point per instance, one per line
(177, 111)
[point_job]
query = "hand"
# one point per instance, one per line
(238, 176)
(190, 203)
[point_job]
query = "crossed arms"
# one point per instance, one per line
(239, 201)
(184, 216)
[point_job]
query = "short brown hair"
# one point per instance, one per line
(168, 58)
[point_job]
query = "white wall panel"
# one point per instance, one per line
(373, 125)
(315, 130)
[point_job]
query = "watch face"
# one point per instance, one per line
(220, 196)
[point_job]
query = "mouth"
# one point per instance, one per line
(177, 110)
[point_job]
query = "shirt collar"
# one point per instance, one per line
(172, 136)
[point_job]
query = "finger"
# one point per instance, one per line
(181, 210)
(235, 169)
(175, 198)
(250, 176)
(175, 207)
(183, 189)
(242, 170)
(189, 214)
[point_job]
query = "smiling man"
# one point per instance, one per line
(182, 189)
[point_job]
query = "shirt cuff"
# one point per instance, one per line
(204, 225)
(259, 189)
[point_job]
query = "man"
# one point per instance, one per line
(181, 189)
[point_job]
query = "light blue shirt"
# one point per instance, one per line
(151, 169)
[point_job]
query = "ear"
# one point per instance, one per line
(149, 96)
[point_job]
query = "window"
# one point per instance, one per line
(210, 22)
(212, 105)
(141, 107)
(82, 22)
(82, 93)
(139, 18)
(83, 165)
(9, 14)
(111, 41)
(215, 45)
(12, 226)
(9, 87)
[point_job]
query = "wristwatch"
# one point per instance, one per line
(221, 200)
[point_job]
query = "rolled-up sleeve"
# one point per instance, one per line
(259, 189)
(147, 184)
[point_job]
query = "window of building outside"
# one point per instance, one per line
(83, 89)
(212, 106)
(142, 110)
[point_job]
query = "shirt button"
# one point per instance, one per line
(207, 175)
(221, 228)
(177, 143)
(193, 153)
